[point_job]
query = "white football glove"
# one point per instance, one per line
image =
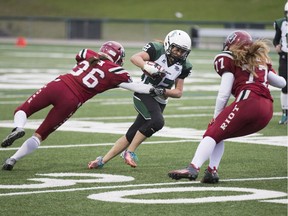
(153, 68)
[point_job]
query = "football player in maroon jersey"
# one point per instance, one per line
(245, 69)
(280, 42)
(93, 73)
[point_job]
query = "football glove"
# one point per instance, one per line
(157, 91)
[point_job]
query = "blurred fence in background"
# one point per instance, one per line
(204, 34)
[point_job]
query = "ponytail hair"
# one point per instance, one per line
(251, 56)
(96, 58)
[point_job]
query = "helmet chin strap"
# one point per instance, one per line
(172, 60)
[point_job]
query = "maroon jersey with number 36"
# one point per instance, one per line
(69, 91)
(86, 81)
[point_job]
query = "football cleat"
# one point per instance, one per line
(130, 158)
(210, 176)
(283, 119)
(14, 135)
(191, 173)
(96, 164)
(9, 164)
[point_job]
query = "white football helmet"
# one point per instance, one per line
(179, 39)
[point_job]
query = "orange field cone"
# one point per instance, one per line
(21, 42)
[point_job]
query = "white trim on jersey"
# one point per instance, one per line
(83, 53)
(224, 53)
(117, 70)
(244, 94)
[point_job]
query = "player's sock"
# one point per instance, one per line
(203, 152)
(20, 119)
(27, 147)
(216, 155)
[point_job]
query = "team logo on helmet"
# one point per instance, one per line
(231, 38)
(174, 33)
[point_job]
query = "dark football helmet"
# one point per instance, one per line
(114, 51)
(237, 37)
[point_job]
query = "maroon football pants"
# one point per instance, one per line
(241, 118)
(57, 94)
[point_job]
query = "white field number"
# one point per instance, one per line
(54, 180)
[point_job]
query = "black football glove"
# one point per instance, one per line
(157, 91)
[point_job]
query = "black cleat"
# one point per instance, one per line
(190, 173)
(9, 164)
(14, 135)
(210, 176)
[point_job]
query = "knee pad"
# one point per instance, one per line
(152, 128)
(130, 135)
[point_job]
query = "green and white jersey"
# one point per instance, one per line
(281, 27)
(175, 71)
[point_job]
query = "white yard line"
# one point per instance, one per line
(135, 185)
(168, 132)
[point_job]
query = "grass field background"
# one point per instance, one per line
(132, 20)
(220, 10)
(55, 180)
(250, 162)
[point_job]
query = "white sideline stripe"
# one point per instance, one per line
(139, 185)
(34, 78)
(166, 132)
(144, 143)
(100, 144)
(281, 201)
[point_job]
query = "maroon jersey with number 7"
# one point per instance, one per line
(253, 106)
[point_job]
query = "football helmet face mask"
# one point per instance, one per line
(237, 37)
(114, 51)
(181, 41)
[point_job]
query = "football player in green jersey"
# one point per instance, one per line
(165, 66)
(280, 42)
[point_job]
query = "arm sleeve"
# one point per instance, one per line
(275, 80)
(224, 92)
(277, 36)
(136, 87)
